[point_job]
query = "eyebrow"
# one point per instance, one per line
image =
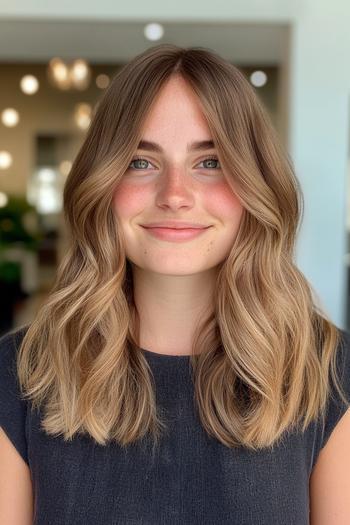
(201, 145)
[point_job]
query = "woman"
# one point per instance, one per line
(180, 370)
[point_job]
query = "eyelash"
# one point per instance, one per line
(211, 157)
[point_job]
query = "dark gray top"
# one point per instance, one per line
(192, 478)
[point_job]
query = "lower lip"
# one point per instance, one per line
(172, 234)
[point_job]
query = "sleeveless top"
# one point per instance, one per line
(191, 478)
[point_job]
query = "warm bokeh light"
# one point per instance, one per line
(102, 81)
(59, 69)
(80, 74)
(5, 160)
(65, 76)
(3, 199)
(29, 84)
(10, 117)
(58, 73)
(82, 115)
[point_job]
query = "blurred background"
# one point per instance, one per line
(57, 60)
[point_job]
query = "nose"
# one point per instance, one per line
(175, 188)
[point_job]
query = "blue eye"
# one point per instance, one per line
(145, 161)
(211, 160)
(139, 159)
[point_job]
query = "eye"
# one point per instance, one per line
(141, 160)
(211, 160)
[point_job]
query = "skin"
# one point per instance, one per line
(174, 282)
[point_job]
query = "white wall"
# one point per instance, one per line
(254, 10)
(319, 128)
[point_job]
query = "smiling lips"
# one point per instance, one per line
(176, 234)
(175, 225)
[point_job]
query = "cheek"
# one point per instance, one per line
(129, 200)
(222, 202)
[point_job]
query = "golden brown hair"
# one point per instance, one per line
(261, 361)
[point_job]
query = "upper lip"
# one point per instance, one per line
(178, 225)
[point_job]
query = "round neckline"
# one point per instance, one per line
(164, 356)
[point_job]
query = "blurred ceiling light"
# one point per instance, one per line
(29, 84)
(65, 167)
(153, 31)
(102, 81)
(80, 74)
(258, 78)
(5, 160)
(10, 117)
(82, 115)
(58, 73)
(3, 199)
(65, 76)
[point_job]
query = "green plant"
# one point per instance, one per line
(10, 272)
(18, 225)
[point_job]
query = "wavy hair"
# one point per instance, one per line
(260, 361)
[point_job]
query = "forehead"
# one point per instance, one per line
(175, 116)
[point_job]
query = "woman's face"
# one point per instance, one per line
(176, 183)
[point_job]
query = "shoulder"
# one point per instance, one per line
(13, 408)
(9, 344)
(337, 405)
(330, 481)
